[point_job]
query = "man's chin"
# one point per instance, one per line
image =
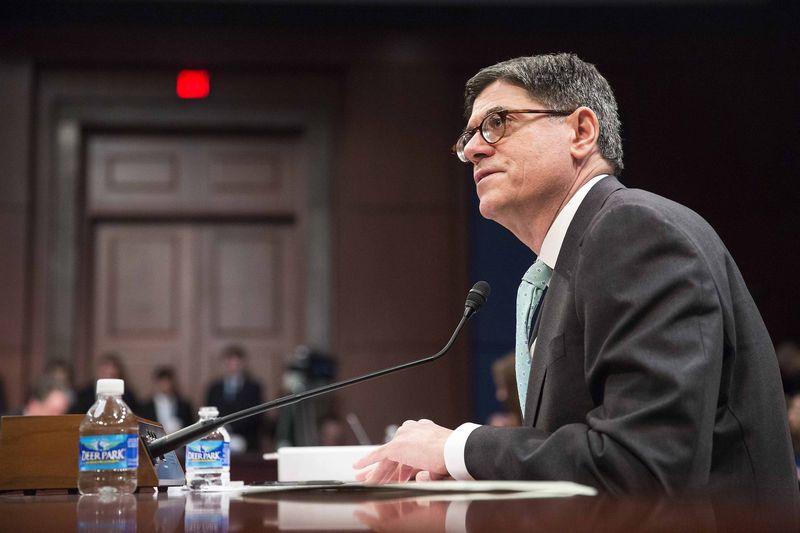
(488, 209)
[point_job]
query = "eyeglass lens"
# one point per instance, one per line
(492, 129)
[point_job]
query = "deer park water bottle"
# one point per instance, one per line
(109, 443)
(208, 460)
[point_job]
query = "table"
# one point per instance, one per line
(338, 511)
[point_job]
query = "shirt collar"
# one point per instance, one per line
(551, 245)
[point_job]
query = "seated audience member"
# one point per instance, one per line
(501, 419)
(794, 428)
(299, 424)
(108, 366)
(332, 431)
(237, 390)
(505, 383)
(167, 406)
(789, 364)
(60, 371)
(47, 397)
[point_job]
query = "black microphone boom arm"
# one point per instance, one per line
(156, 448)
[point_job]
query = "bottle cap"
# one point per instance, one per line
(209, 411)
(110, 386)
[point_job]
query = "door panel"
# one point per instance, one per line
(143, 298)
(250, 297)
(203, 174)
(177, 294)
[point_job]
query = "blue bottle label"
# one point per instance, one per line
(108, 452)
(207, 454)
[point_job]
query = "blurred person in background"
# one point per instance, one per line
(234, 391)
(794, 428)
(167, 406)
(299, 424)
(505, 387)
(60, 370)
(47, 397)
(789, 363)
(333, 431)
(108, 366)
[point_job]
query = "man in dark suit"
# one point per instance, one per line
(235, 391)
(167, 406)
(644, 365)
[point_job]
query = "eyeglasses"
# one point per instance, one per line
(493, 128)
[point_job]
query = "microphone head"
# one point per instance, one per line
(477, 296)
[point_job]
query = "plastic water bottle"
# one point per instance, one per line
(208, 460)
(109, 443)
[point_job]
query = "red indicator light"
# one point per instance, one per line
(193, 84)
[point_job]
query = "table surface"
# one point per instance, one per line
(326, 510)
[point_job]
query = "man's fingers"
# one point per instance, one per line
(426, 475)
(388, 477)
(405, 473)
(380, 472)
(362, 474)
(373, 457)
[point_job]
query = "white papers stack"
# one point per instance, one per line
(308, 463)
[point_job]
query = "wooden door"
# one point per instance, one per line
(249, 294)
(197, 244)
(144, 299)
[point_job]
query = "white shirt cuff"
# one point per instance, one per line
(454, 451)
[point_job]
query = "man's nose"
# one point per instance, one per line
(477, 148)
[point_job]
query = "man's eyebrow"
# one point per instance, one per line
(488, 112)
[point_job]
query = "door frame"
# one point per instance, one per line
(71, 102)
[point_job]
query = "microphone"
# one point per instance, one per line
(476, 297)
(158, 447)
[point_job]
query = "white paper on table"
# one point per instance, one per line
(449, 488)
(530, 489)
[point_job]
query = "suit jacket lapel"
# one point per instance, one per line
(558, 290)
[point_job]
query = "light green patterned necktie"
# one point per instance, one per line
(529, 294)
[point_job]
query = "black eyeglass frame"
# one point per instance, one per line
(502, 113)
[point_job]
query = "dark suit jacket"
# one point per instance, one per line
(249, 395)
(653, 371)
(183, 410)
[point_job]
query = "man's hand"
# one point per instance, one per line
(417, 450)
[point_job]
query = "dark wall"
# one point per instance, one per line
(707, 94)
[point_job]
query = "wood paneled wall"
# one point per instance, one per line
(401, 255)
(16, 97)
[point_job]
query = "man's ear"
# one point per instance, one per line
(586, 132)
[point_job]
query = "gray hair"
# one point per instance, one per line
(559, 81)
